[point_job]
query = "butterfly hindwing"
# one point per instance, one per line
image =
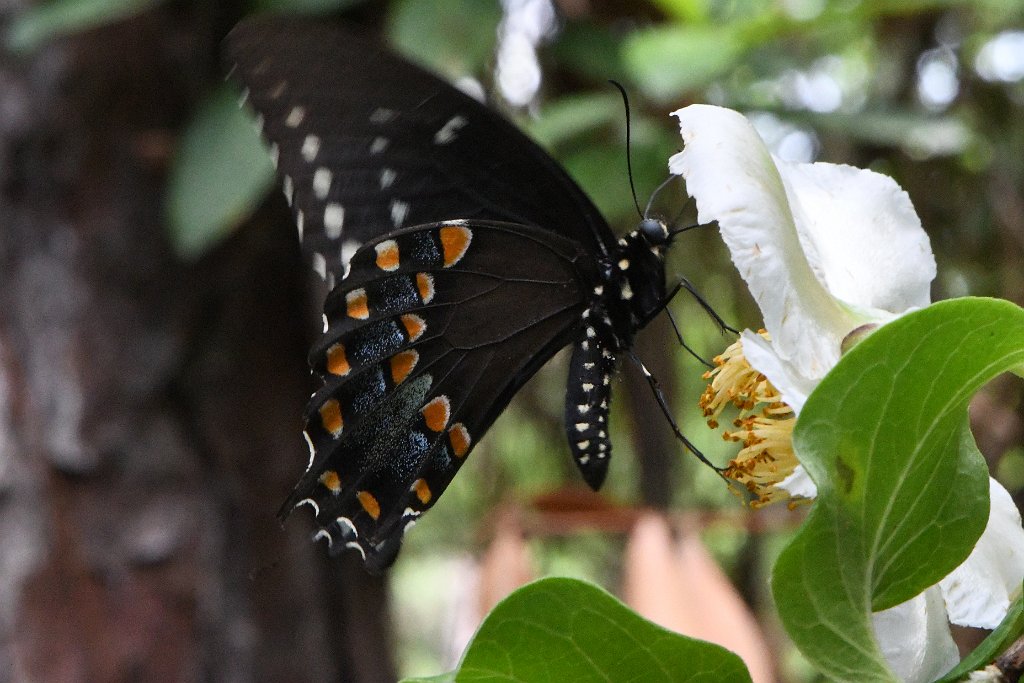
(366, 143)
(428, 337)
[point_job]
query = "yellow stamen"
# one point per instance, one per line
(763, 424)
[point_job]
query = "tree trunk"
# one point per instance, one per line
(149, 409)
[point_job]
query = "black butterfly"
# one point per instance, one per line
(461, 258)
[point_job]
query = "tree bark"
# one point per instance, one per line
(150, 409)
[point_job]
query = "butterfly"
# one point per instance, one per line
(460, 257)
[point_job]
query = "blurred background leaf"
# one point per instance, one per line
(48, 20)
(220, 173)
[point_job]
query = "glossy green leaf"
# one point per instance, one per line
(902, 490)
(557, 629)
(220, 172)
(46, 21)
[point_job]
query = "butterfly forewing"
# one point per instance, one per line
(367, 143)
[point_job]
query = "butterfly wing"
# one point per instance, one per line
(428, 337)
(366, 143)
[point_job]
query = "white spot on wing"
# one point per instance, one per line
(346, 524)
(322, 178)
(310, 148)
(300, 222)
(326, 325)
(320, 265)
(378, 145)
(278, 90)
(244, 97)
(334, 219)
(348, 248)
(288, 188)
(295, 117)
(626, 292)
(387, 176)
(311, 503)
(323, 533)
(356, 546)
(382, 115)
(399, 210)
(305, 435)
(447, 132)
(275, 154)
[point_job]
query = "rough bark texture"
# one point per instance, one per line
(149, 409)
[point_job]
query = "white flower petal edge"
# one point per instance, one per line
(805, 237)
(872, 251)
(979, 591)
(914, 638)
(730, 173)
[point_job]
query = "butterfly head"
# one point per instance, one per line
(655, 232)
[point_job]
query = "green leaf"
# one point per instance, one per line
(220, 172)
(902, 490)
(44, 22)
(559, 629)
(452, 37)
(588, 49)
(440, 678)
(567, 117)
(1008, 631)
(670, 61)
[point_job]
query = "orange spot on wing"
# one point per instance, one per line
(330, 417)
(387, 255)
(357, 305)
(422, 491)
(425, 285)
(455, 241)
(369, 503)
(337, 361)
(402, 364)
(331, 480)
(414, 326)
(436, 412)
(458, 436)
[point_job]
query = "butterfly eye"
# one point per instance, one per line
(654, 231)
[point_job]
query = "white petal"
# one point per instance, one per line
(786, 377)
(799, 484)
(980, 590)
(914, 637)
(869, 248)
(734, 180)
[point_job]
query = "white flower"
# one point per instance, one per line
(827, 251)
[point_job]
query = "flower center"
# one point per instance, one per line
(764, 424)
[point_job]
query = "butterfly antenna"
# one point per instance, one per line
(629, 148)
(657, 190)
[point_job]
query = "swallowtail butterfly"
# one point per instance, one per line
(460, 258)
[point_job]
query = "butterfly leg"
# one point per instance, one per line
(663, 404)
(688, 286)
